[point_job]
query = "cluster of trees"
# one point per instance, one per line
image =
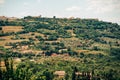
(115, 52)
(45, 71)
(10, 73)
(83, 28)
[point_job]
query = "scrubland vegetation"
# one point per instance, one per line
(35, 47)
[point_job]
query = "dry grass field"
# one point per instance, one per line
(31, 35)
(7, 37)
(7, 29)
(3, 43)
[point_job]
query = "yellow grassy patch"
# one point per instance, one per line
(90, 52)
(29, 35)
(8, 29)
(3, 43)
(79, 51)
(6, 37)
(96, 52)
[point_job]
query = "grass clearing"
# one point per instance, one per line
(7, 29)
(7, 37)
(3, 43)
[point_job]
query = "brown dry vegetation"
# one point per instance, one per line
(3, 43)
(7, 29)
(29, 35)
(6, 37)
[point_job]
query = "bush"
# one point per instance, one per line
(115, 52)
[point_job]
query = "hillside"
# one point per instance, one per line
(63, 42)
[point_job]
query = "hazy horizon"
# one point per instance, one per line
(101, 9)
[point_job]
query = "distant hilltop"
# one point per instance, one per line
(29, 17)
(8, 18)
(40, 16)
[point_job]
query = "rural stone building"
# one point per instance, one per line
(59, 75)
(86, 75)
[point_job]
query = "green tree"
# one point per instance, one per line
(73, 74)
(49, 75)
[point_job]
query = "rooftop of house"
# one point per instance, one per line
(78, 73)
(59, 73)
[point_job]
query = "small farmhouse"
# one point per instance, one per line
(59, 75)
